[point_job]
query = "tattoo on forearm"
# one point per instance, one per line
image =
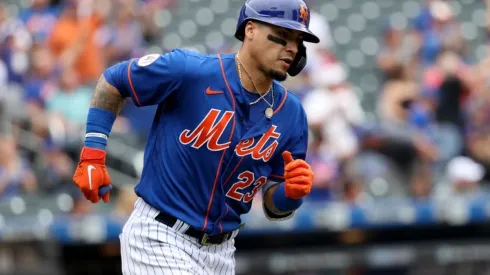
(107, 97)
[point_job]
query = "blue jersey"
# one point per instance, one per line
(209, 152)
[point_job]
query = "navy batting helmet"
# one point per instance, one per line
(289, 14)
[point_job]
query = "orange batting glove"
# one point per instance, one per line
(91, 175)
(298, 177)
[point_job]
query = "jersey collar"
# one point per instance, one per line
(233, 79)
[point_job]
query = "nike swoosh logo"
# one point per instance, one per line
(211, 92)
(90, 168)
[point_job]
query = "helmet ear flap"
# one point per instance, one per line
(240, 33)
(299, 61)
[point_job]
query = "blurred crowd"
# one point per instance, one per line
(51, 55)
(428, 138)
(429, 135)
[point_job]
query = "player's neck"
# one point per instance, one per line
(252, 74)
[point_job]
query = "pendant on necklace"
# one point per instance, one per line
(269, 112)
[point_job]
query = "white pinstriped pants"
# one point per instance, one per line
(153, 248)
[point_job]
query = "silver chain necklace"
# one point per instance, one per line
(269, 111)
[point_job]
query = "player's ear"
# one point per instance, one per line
(250, 30)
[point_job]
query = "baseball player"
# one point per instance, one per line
(224, 130)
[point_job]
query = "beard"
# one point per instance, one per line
(274, 74)
(277, 75)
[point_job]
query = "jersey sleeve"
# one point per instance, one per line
(149, 80)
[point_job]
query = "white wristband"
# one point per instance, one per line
(96, 135)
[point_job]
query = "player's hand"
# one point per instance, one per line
(298, 176)
(91, 175)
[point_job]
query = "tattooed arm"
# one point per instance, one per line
(107, 102)
(107, 97)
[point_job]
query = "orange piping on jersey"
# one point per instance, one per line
(131, 83)
(232, 172)
(282, 102)
(224, 151)
(220, 226)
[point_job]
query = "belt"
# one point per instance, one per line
(202, 236)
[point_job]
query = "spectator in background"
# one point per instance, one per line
(449, 64)
(41, 80)
(40, 19)
(15, 42)
(14, 59)
(444, 34)
(325, 167)
(68, 108)
(56, 168)
(395, 112)
(16, 176)
(41, 84)
(444, 94)
(462, 179)
(72, 40)
(453, 90)
(393, 148)
(9, 25)
(334, 113)
(353, 185)
(125, 39)
(396, 59)
(477, 116)
(334, 109)
(461, 185)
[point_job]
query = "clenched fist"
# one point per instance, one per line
(91, 175)
(298, 176)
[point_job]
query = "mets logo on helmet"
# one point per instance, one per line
(303, 13)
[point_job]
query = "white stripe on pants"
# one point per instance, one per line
(150, 247)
